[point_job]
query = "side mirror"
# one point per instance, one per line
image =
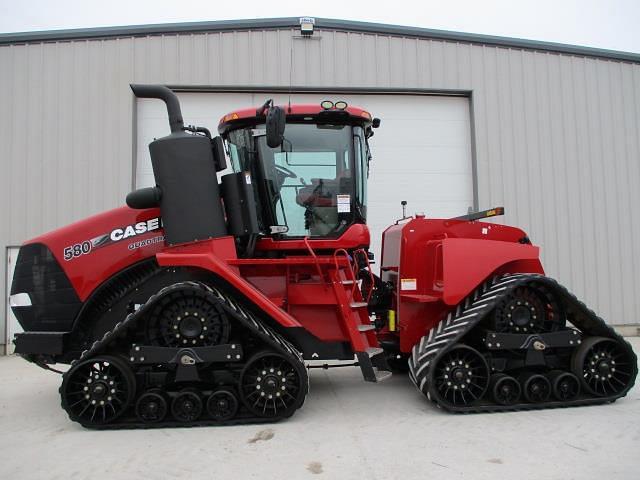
(275, 126)
(375, 123)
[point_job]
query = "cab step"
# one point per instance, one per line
(382, 375)
(358, 304)
(366, 328)
(373, 351)
(374, 366)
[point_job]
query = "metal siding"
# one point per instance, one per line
(556, 135)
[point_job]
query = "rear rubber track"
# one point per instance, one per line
(472, 310)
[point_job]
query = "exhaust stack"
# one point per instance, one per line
(168, 97)
(185, 174)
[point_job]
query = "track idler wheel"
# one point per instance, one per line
(604, 366)
(98, 390)
(535, 387)
(504, 389)
(565, 386)
(186, 406)
(151, 407)
(461, 376)
(272, 385)
(222, 405)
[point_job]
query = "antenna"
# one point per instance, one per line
(404, 209)
(290, 74)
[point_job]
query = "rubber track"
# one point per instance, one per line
(246, 318)
(473, 309)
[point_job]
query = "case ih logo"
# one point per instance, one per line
(137, 229)
(116, 235)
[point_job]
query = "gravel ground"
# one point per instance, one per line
(346, 429)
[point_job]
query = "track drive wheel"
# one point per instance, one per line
(188, 318)
(505, 389)
(528, 309)
(272, 385)
(98, 390)
(461, 377)
(604, 366)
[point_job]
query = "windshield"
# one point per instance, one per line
(308, 184)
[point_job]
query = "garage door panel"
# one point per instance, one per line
(426, 132)
(421, 153)
(430, 186)
(453, 160)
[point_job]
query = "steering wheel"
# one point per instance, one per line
(285, 172)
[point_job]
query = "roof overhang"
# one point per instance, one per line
(320, 24)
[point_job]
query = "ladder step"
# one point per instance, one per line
(358, 304)
(382, 375)
(347, 282)
(366, 328)
(373, 351)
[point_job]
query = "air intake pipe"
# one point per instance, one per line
(187, 189)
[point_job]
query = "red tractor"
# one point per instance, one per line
(199, 302)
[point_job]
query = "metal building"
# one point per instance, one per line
(552, 132)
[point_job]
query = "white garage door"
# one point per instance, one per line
(421, 152)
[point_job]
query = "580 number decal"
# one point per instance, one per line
(77, 250)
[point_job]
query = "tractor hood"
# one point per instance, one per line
(92, 250)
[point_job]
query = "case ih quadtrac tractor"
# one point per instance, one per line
(200, 301)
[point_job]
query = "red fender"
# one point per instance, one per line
(213, 255)
(468, 262)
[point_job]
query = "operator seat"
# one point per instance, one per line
(319, 199)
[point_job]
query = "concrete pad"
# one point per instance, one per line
(347, 429)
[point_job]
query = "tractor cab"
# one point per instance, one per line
(308, 165)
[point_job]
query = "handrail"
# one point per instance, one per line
(371, 275)
(315, 259)
(350, 267)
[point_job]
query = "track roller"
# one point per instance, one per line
(504, 389)
(186, 406)
(151, 407)
(98, 390)
(565, 386)
(222, 405)
(535, 387)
